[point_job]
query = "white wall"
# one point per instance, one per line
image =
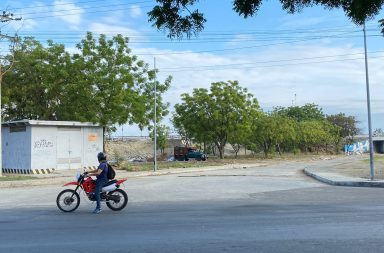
(93, 144)
(43, 147)
(16, 149)
(69, 148)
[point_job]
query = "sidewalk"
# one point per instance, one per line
(344, 172)
(61, 177)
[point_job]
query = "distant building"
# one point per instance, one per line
(37, 146)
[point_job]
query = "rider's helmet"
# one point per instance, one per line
(101, 156)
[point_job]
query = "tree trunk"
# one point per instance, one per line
(279, 149)
(220, 147)
(266, 149)
(221, 151)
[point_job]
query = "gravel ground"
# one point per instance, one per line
(359, 166)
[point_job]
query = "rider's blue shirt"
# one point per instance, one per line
(103, 175)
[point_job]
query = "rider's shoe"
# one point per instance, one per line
(97, 210)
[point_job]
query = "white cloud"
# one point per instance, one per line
(68, 12)
(135, 11)
(29, 24)
(112, 30)
(336, 86)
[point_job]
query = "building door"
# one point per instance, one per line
(69, 148)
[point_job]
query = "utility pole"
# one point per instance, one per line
(5, 17)
(154, 120)
(369, 108)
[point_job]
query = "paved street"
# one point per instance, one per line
(265, 209)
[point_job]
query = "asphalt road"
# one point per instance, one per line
(271, 209)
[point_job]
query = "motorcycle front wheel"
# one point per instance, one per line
(117, 200)
(68, 200)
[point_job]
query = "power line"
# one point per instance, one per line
(214, 67)
(90, 12)
(68, 39)
(90, 7)
(220, 33)
(273, 61)
(232, 49)
(63, 4)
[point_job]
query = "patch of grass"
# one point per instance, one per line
(376, 158)
(16, 178)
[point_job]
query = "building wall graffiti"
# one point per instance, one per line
(43, 144)
(357, 148)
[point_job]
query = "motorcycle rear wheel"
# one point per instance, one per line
(117, 200)
(68, 200)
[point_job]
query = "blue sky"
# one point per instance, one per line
(315, 56)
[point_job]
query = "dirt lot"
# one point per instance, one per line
(142, 149)
(135, 149)
(359, 166)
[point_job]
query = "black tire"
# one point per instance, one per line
(118, 201)
(68, 200)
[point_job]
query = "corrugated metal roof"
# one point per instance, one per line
(27, 122)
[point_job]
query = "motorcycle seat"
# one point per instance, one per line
(110, 182)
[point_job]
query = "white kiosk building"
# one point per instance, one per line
(39, 147)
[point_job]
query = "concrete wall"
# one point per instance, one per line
(43, 147)
(16, 149)
(69, 148)
(93, 144)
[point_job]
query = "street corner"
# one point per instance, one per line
(335, 179)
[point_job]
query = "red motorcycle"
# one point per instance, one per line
(69, 200)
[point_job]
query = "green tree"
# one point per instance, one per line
(190, 118)
(103, 83)
(34, 88)
(121, 86)
(301, 113)
(310, 133)
(161, 137)
(333, 136)
(271, 131)
(316, 134)
(347, 124)
(215, 114)
(177, 17)
(239, 137)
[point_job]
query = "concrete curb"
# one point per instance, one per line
(363, 183)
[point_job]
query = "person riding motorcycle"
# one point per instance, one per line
(101, 178)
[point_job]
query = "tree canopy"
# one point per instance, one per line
(347, 124)
(177, 17)
(102, 83)
(301, 113)
(216, 114)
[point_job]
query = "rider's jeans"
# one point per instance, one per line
(99, 185)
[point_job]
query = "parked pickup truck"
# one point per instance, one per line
(186, 153)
